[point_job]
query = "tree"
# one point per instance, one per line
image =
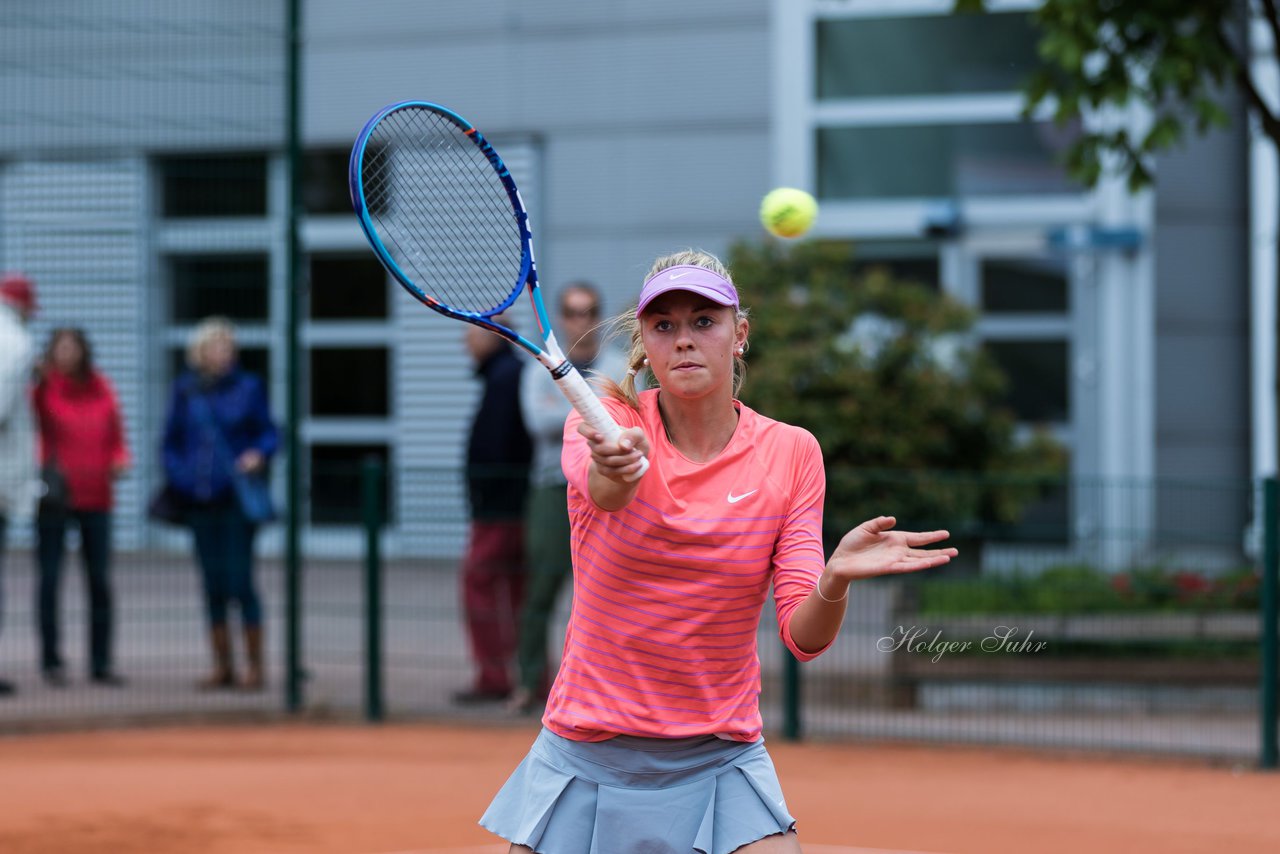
(910, 415)
(1177, 59)
(1174, 57)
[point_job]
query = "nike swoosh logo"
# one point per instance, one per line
(734, 499)
(675, 276)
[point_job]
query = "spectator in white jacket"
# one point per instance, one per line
(17, 433)
(545, 409)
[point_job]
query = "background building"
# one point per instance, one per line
(143, 184)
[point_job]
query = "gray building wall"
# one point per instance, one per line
(640, 127)
(154, 74)
(634, 129)
(1202, 325)
(652, 118)
(88, 92)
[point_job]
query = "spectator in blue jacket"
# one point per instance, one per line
(219, 423)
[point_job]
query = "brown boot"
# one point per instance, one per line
(255, 679)
(223, 674)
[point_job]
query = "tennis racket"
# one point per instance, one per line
(443, 215)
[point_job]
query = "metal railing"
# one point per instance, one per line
(1048, 650)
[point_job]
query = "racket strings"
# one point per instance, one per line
(442, 211)
(454, 175)
(462, 257)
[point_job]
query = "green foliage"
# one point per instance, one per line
(883, 374)
(1172, 56)
(1077, 589)
(1071, 589)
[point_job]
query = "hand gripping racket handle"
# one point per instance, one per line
(593, 412)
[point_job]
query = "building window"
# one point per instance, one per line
(1046, 517)
(213, 186)
(1024, 285)
(350, 382)
(348, 287)
(326, 183)
(349, 368)
(1039, 381)
(224, 268)
(336, 481)
(904, 261)
(927, 55)
(900, 110)
(325, 187)
(235, 286)
(940, 161)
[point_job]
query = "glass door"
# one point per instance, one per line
(1033, 307)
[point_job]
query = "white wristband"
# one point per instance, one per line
(818, 587)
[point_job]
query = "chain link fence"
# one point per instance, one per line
(145, 166)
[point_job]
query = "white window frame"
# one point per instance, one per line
(235, 235)
(332, 234)
(1118, 353)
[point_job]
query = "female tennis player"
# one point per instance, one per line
(651, 738)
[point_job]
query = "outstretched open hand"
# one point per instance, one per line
(874, 548)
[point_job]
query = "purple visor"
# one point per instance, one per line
(697, 280)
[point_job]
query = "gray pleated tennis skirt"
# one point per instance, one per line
(631, 794)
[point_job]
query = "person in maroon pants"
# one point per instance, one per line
(499, 453)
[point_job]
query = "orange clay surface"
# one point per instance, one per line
(419, 788)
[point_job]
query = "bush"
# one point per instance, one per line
(884, 374)
(1074, 589)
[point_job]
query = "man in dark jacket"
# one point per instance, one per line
(499, 452)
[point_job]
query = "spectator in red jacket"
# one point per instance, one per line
(82, 440)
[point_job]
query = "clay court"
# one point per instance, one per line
(419, 788)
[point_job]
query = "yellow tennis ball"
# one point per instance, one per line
(788, 212)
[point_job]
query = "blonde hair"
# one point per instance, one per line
(627, 324)
(205, 332)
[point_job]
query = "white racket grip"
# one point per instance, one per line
(584, 400)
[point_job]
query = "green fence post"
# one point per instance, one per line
(790, 696)
(371, 504)
(1270, 583)
(293, 669)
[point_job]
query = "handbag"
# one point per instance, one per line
(254, 496)
(253, 493)
(168, 505)
(54, 493)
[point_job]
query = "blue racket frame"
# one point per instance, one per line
(571, 383)
(528, 276)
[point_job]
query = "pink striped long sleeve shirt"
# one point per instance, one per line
(669, 590)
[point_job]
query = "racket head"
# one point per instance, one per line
(443, 214)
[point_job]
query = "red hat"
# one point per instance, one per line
(19, 291)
